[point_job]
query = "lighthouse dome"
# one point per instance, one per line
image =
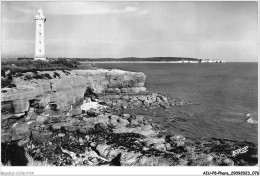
(39, 15)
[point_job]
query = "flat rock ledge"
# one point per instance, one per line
(104, 136)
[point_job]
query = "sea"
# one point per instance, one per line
(224, 96)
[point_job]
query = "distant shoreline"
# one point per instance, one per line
(155, 62)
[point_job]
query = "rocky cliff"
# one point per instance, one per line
(52, 91)
(100, 117)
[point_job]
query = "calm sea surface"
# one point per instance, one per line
(222, 94)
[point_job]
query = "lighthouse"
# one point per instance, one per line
(39, 37)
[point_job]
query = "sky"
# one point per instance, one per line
(206, 30)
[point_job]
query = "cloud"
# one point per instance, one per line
(22, 12)
(90, 8)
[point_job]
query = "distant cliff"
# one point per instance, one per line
(152, 59)
(136, 59)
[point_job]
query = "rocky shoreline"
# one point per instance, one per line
(104, 128)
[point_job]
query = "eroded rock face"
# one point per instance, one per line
(59, 93)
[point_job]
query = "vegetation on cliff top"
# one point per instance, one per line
(26, 65)
(17, 67)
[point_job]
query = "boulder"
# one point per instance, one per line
(114, 117)
(160, 147)
(91, 113)
(113, 122)
(110, 90)
(252, 121)
(75, 111)
(42, 119)
(119, 78)
(117, 90)
(164, 99)
(137, 103)
(134, 122)
(124, 90)
(225, 162)
(142, 98)
(129, 158)
(123, 122)
(103, 149)
(153, 97)
(136, 89)
(152, 161)
(147, 103)
(126, 116)
(56, 126)
(32, 113)
(139, 118)
(44, 100)
(145, 130)
(102, 119)
(168, 146)
(20, 130)
(20, 106)
(6, 137)
(7, 108)
(178, 140)
(150, 141)
(125, 98)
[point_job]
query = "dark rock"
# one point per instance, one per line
(13, 154)
(91, 113)
(116, 161)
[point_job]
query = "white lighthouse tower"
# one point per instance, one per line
(39, 37)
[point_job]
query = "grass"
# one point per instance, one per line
(16, 68)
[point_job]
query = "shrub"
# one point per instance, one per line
(56, 75)
(11, 85)
(27, 77)
(46, 75)
(69, 63)
(18, 74)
